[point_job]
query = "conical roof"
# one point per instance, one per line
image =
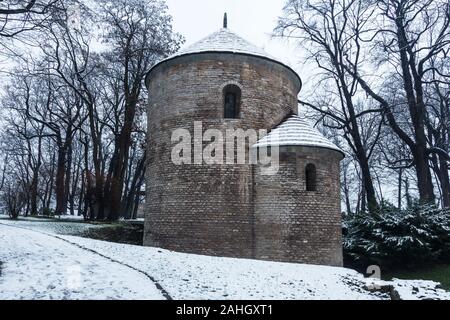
(296, 131)
(224, 41)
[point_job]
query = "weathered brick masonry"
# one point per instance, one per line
(233, 210)
(292, 224)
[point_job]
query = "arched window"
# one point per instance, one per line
(231, 101)
(310, 176)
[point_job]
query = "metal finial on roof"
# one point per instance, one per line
(225, 20)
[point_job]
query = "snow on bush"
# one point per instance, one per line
(392, 237)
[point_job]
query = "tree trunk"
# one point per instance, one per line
(407, 194)
(34, 193)
(68, 175)
(359, 149)
(424, 179)
(445, 183)
(414, 94)
(119, 162)
(59, 182)
(347, 194)
(399, 194)
(132, 198)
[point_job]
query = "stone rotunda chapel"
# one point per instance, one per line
(234, 210)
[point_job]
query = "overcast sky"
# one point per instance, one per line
(254, 20)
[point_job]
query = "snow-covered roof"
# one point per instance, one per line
(296, 131)
(224, 40)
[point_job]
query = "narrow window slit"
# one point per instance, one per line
(311, 177)
(232, 99)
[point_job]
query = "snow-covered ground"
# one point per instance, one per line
(63, 226)
(36, 266)
(39, 262)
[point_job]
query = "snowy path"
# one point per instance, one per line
(40, 266)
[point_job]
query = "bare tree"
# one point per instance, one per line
(407, 43)
(18, 18)
(139, 33)
(413, 32)
(91, 106)
(322, 27)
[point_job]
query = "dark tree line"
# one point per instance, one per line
(74, 106)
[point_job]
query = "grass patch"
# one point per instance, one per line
(127, 232)
(117, 232)
(439, 273)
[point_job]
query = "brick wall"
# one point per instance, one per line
(210, 209)
(292, 224)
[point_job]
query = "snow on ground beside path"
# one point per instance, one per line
(189, 276)
(37, 266)
(412, 289)
(184, 276)
(419, 289)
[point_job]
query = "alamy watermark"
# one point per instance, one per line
(374, 277)
(73, 277)
(229, 147)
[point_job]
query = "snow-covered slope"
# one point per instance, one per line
(35, 265)
(189, 276)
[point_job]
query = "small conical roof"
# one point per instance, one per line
(296, 131)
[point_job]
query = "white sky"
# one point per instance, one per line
(254, 20)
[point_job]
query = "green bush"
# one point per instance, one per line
(393, 238)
